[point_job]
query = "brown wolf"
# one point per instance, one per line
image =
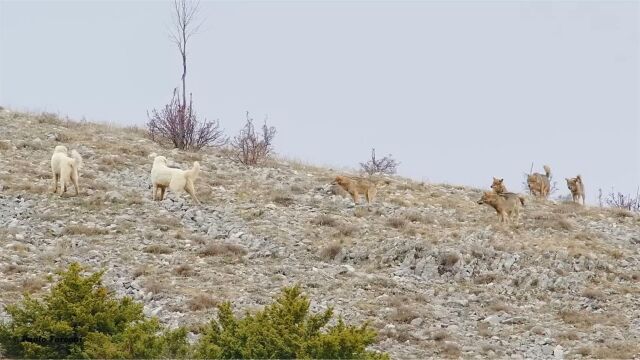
(577, 188)
(506, 204)
(498, 186)
(356, 186)
(539, 184)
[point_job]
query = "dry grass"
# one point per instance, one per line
(155, 286)
(283, 199)
(31, 285)
(223, 249)
(184, 270)
(414, 216)
(140, 270)
(324, 220)
(5, 145)
(13, 269)
(439, 335)
(403, 314)
(330, 252)
(84, 230)
(593, 293)
(499, 306)
(158, 249)
(557, 223)
(483, 329)
(397, 222)
(450, 350)
(616, 350)
(202, 302)
(347, 230)
(585, 319)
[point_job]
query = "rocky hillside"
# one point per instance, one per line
(427, 266)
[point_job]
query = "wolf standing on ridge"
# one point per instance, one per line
(576, 187)
(539, 184)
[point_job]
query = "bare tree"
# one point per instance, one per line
(177, 122)
(251, 148)
(386, 165)
(184, 28)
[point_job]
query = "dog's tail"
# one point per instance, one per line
(547, 171)
(192, 173)
(77, 163)
(521, 200)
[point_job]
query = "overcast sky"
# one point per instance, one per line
(458, 91)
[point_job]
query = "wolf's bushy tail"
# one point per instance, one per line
(547, 171)
(192, 173)
(77, 159)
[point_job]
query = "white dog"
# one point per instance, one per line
(163, 176)
(65, 168)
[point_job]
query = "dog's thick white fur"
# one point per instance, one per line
(163, 177)
(65, 168)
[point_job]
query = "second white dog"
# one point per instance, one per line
(163, 177)
(65, 168)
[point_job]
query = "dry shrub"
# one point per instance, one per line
(155, 286)
(585, 319)
(483, 329)
(330, 251)
(593, 293)
(49, 118)
(5, 145)
(84, 230)
(558, 223)
(403, 314)
(158, 249)
(386, 165)
(223, 249)
(617, 350)
(486, 278)
(499, 306)
(324, 220)
(32, 285)
(13, 269)
(140, 270)
(414, 216)
(347, 229)
(439, 335)
(177, 123)
(184, 270)
(451, 350)
(251, 148)
(283, 199)
(568, 335)
(397, 222)
(202, 302)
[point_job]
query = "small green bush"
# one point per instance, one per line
(79, 318)
(284, 330)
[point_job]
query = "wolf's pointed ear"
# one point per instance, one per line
(501, 180)
(568, 180)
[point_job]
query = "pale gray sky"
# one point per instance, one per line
(458, 91)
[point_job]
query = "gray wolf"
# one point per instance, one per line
(65, 168)
(163, 177)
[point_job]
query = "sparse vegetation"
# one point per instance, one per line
(386, 165)
(330, 251)
(223, 249)
(325, 220)
(251, 148)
